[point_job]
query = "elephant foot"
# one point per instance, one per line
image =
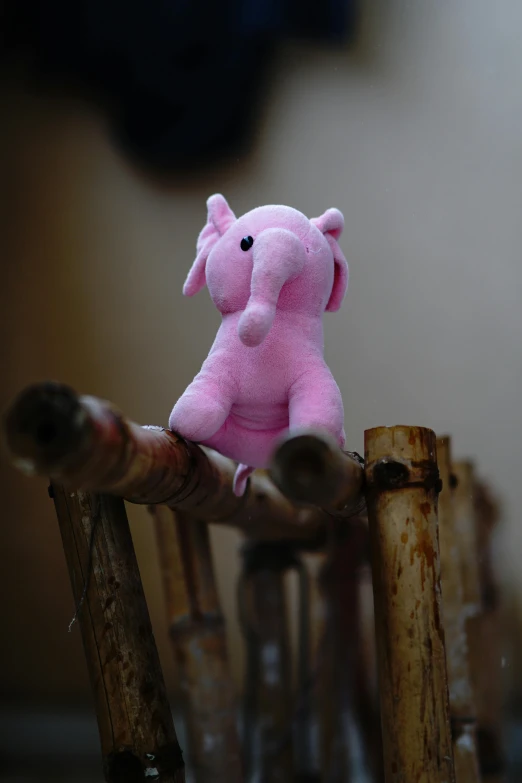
(241, 478)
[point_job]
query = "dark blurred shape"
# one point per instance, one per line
(180, 81)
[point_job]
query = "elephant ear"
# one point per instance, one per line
(219, 219)
(331, 224)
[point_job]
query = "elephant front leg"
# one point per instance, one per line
(204, 407)
(315, 402)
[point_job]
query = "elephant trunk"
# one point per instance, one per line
(279, 256)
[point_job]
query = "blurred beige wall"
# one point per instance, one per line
(416, 136)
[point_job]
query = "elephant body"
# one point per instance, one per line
(271, 273)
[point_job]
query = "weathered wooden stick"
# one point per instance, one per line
(311, 468)
(137, 734)
(402, 487)
(462, 704)
(268, 703)
(197, 631)
(87, 444)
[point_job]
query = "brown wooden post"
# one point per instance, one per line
(197, 632)
(138, 739)
(268, 698)
(402, 487)
(462, 703)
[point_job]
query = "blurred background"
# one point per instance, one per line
(118, 121)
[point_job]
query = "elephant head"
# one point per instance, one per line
(271, 258)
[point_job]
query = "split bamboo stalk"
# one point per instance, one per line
(402, 487)
(137, 735)
(87, 444)
(197, 632)
(462, 704)
(268, 703)
(310, 468)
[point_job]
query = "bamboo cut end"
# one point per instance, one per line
(310, 468)
(44, 424)
(414, 443)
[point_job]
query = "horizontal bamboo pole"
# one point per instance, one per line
(87, 444)
(197, 632)
(402, 487)
(311, 468)
(137, 735)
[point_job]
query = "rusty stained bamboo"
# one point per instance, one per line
(268, 709)
(86, 443)
(402, 487)
(138, 739)
(310, 468)
(197, 633)
(462, 703)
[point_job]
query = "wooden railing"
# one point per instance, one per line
(315, 502)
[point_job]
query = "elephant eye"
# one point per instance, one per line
(246, 243)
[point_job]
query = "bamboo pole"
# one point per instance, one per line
(462, 704)
(464, 492)
(402, 486)
(311, 468)
(487, 636)
(465, 518)
(355, 753)
(268, 702)
(87, 444)
(197, 632)
(305, 770)
(137, 735)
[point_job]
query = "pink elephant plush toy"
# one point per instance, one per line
(271, 274)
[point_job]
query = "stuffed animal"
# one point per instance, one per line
(271, 273)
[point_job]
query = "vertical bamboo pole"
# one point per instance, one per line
(488, 638)
(315, 652)
(137, 734)
(305, 770)
(465, 520)
(464, 491)
(268, 705)
(402, 487)
(462, 704)
(197, 632)
(350, 736)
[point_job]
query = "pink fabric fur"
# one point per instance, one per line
(265, 373)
